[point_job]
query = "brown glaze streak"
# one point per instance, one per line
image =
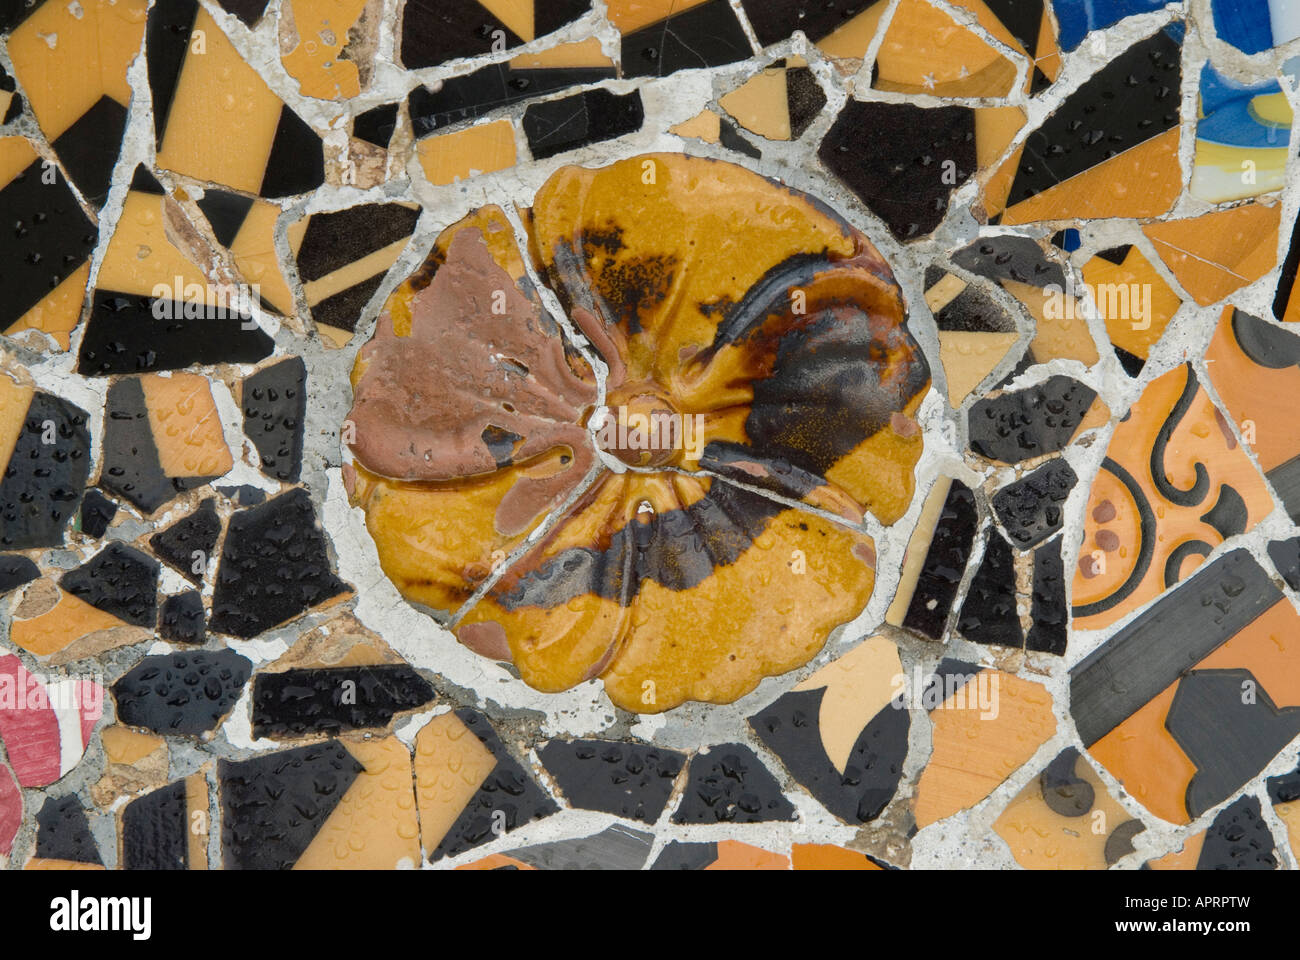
(477, 368)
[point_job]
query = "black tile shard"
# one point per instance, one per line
(679, 855)
(334, 699)
(376, 125)
(45, 477)
(1285, 555)
(1037, 420)
(47, 239)
(435, 31)
(1132, 99)
(273, 567)
(626, 779)
(88, 149)
(188, 543)
(125, 334)
(1049, 609)
(119, 580)
(1238, 839)
(272, 806)
(249, 11)
(988, 614)
(1286, 302)
(730, 785)
(245, 495)
(490, 88)
(1176, 632)
(225, 213)
(805, 99)
(1019, 259)
(617, 847)
(182, 618)
(155, 830)
(558, 125)
(904, 178)
(945, 563)
(129, 463)
(297, 161)
(775, 20)
(16, 570)
(63, 833)
(97, 512)
(790, 728)
(507, 798)
(732, 139)
(181, 693)
(275, 403)
(705, 35)
(1032, 508)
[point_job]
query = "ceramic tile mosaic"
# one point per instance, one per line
(649, 435)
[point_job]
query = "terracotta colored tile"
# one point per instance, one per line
(841, 734)
(467, 153)
(986, 728)
(1251, 364)
(1173, 487)
(1066, 819)
(1204, 706)
(1217, 254)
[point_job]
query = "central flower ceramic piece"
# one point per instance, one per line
(699, 525)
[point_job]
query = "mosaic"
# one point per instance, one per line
(649, 435)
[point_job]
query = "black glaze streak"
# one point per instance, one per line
(1201, 488)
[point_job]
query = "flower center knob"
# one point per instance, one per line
(644, 430)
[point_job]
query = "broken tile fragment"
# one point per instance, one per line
(1286, 303)
(556, 126)
(1049, 611)
(274, 401)
(1134, 301)
(77, 85)
(118, 580)
(629, 780)
(182, 619)
(181, 693)
(988, 614)
(196, 77)
(470, 790)
(1207, 699)
(827, 856)
(297, 702)
(1066, 819)
(617, 847)
(1032, 508)
(246, 227)
(48, 249)
(841, 733)
(331, 46)
(1243, 138)
(273, 567)
(935, 560)
(1238, 839)
(342, 257)
(1285, 555)
(63, 833)
(484, 148)
(1174, 485)
(1253, 366)
(45, 724)
(976, 333)
(435, 31)
(1214, 255)
(729, 784)
(778, 103)
(925, 51)
(58, 627)
(1017, 425)
(134, 762)
(45, 448)
(97, 512)
(162, 436)
(1283, 794)
(1090, 160)
(1078, 18)
(16, 570)
(273, 806)
(188, 543)
(985, 724)
(165, 829)
(11, 810)
(1253, 26)
(663, 36)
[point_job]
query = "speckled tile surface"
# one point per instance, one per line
(649, 435)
